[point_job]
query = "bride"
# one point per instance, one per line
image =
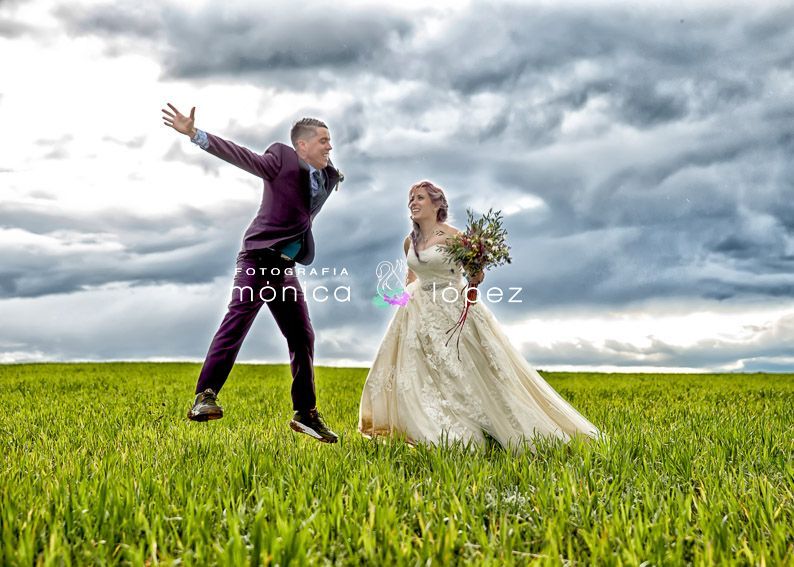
(419, 389)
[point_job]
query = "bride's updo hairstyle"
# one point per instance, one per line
(438, 199)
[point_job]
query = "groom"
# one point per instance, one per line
(297, 182)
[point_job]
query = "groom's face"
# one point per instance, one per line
(316, 149)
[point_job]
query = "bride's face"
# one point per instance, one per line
(421, 206)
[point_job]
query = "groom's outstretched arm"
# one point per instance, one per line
(266, 166)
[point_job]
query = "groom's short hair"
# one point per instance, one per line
(305, 128)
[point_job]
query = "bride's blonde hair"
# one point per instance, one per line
(438, 199)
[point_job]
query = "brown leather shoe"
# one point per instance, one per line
(205, 407)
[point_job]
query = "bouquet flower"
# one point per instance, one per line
(480, 247)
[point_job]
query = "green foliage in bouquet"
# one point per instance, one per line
(482, 245)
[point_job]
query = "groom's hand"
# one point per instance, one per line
(179, 122)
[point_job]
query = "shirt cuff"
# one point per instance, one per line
(200, 139)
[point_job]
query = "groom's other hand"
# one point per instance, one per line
(179, 122)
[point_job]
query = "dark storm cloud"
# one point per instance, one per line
(247, 41)
(686, 219)
(644, 107)
(76, 252)
(280, 40)
(711, 218)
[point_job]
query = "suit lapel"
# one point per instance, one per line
(332, 177)
(305, 183)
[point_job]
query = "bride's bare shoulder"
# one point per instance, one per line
(450, 230)
(407, 243)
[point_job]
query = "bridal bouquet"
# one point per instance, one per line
(481, 246)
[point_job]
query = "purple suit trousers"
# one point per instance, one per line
(290, 312)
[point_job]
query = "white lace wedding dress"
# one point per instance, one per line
(418, 388)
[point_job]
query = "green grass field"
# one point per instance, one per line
(101, 466)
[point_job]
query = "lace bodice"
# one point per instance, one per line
(434, 268)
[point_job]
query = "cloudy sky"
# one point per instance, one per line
(640, 152)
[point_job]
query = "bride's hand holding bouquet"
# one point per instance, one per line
(480, 247)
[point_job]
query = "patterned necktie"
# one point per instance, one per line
(318, 178)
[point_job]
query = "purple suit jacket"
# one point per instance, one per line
(285, 212)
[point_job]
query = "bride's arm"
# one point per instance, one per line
(411, 276)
